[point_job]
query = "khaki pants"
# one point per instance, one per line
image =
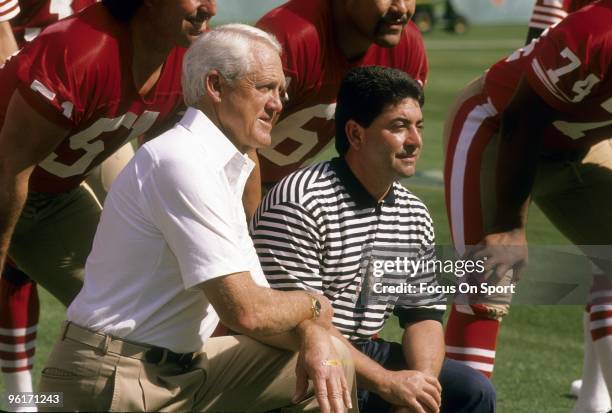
(55, 232)
(232, 374)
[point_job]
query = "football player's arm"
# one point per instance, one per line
(252, 190)
(26, 139)
(521, 140)
(8, 45)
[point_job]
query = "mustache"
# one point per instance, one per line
(201, 16)
(395, 19)
(408, 150)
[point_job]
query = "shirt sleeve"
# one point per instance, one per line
(286, 239)
(8, 9)
(567, 64)
(196, 219)
(49, 80)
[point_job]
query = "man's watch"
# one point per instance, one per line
(315, 307)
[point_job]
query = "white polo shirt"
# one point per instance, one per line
(172, 220)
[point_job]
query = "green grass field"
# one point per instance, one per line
(540, 347)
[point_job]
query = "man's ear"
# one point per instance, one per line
(355, 134)
(212, 85)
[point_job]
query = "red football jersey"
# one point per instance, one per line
(315, 66)
(502, 78)
(8, 9)
(570, 69)
(78, 73)
(37, 14)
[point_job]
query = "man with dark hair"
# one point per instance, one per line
(322, 40)
(323, 228)
(70, 99)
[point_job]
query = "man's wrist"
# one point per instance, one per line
(315, 307)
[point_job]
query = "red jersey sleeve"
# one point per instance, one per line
(570, 61)
(57, 73)
(47, 78)
(8, 9)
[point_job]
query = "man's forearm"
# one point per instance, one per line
(257, 311)
(13, 193)
(423, 346)
(518, 154)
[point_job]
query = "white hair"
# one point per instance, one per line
(228, 49)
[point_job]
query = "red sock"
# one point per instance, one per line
(19, 311)
(472, 338)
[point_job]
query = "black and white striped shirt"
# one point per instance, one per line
(319, 229)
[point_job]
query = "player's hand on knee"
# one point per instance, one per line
(416, 391)
(502, 252)
(319, 362)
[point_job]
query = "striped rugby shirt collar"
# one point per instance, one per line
(355, 189)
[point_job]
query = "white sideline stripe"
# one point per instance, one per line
(17, 363)
(472, 123)
(477, 365)
(472, 351)
(601, 308)
(606, 322)
(19, 347)
(16, 332)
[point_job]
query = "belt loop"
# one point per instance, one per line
(164, 357)
(66, 326)
(107, 340)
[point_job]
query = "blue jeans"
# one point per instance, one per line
(464, 390)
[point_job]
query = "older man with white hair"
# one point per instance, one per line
(172, 256)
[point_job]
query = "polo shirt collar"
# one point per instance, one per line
(237, 166)
(355, 189)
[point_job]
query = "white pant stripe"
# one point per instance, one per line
(472, 123)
